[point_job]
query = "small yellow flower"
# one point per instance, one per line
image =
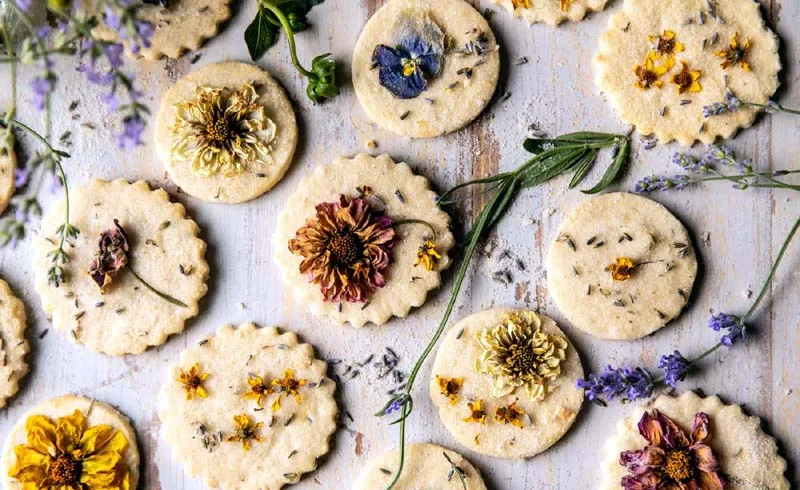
(477, 413)
(450, 387)
(622, 269)
(245, 431)
(509, 414)
(686, 79)
(565, 4)
(649, 75)
(288, 385)
(665, 45)
(521, 4)
(427, 255)
(258, 389)
(736, 53)
(192, 381)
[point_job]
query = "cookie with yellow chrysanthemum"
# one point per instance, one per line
(703, 441)
(180, 26)
(504, 383)
(248, 408)
(71, 442)
(8, 165)
(661, 63)
(136, 270)
(425, 466)
(621, 266)
(226, 132)
(362, 240)
(552, 12)
(13, 345)
(423, 69)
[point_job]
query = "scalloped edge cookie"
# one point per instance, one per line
(185, 27)
(407, 286)
(92, 317)
(625, 45)
(730, 430)
(214, 459)
(550, 13)
(101, 413)
(13, 344)
(257, 178)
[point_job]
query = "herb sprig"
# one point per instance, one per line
(575, 152)
(290, 15)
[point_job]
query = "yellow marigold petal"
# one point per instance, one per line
(679, 47)
(31, 465)
(41, 434)
(695, 87)
(101, 437)
(201, 392)
(69, 431)
(276, 405)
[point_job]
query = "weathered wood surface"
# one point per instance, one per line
(555, 90)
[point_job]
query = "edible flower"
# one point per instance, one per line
(476, 412)
(406, 69)
(622, 269)
(671, 460)
(111, 257)
(246, 431)
(509, 414)
(686, 79)
(192, 381)
(565, 4)
(649, 75)
(288, 385)
(258, 389)
(450, 387)
(665, 45)
(736, 53)
(427, 255)
(521, 4)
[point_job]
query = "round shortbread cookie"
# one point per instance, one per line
(257, 176)
(700, 31)
(458, 64)
(542, 421)
(747, 456)
(13, 345)
(551, 12)
(8, 164)
(426, 466)
(184, 25)
(399, 194)
(239, 372)
(594, 240)
(165, 251)
(95, 413)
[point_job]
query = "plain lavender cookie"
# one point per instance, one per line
(8, 164)
(13, 345)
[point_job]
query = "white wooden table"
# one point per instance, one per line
(555, 90)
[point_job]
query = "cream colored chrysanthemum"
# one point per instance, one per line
(517, 353)
(221, 130)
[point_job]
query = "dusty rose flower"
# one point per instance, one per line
(671, 460)
(111, 257)
(345, 249)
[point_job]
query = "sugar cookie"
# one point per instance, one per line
(13, 345)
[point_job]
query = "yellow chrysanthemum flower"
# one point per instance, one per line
(192, 381)
(736, 53)
(687, 80)
(427, 255)
(222, 130)
(666, 46)
(246, 431)
(288, 385)
(649, 74)
(476, 412)
(622, 269)
(450, 387)
(67, 454)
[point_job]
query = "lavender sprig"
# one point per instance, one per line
(732, 103)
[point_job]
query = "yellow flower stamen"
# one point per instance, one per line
(192, 381)
(427, 255)
(450, 387)
(476, 412)
(686, 79)
(246, 431)
(622, 269)
(409, 66)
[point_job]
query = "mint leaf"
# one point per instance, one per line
(260, 35)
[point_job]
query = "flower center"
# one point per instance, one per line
(217, 130)
(678, 465)
(194, 382)
(65, 470)
(666, 45)
(521, 359)
(646, 76)
(346, 248)
(683, 79)
(409, 66)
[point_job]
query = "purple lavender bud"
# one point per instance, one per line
(42, 87)
(131, 134)
(731, 324)
(675, 367)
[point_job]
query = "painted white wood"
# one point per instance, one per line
(555, 90)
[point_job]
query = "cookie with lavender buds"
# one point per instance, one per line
(706, 441)
(101, 449)
(8, 165)
(426, 466)
(226, 132)
(423, 69)
(136, 273)
(181, 25)
(248, 408)
(552, 12)
(13, 345)
(504, 383)
(660, 63)
(362, 240)
(621, 266)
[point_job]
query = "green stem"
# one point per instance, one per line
(417, 222)
(269, 5)
(778, 108)
(156, 291)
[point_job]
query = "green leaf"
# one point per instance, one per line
(260, 35)
(614, 169)
(582, 168)
(322, 85)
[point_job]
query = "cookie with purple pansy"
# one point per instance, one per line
(423, 69)
(691, 442)
(362, 240)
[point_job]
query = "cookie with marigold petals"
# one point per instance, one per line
(233, 157)
(551, 12)
(248, 408)
(34, 456)
(426, 466)
(182, 26)
(660, 63)
(504, 383)
(621, 266)
(13, 344)
(137, 269)
(362, 240)
(747, 458)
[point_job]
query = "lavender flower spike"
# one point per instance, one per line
(675, 367)
(634, 383)
(732, 324)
